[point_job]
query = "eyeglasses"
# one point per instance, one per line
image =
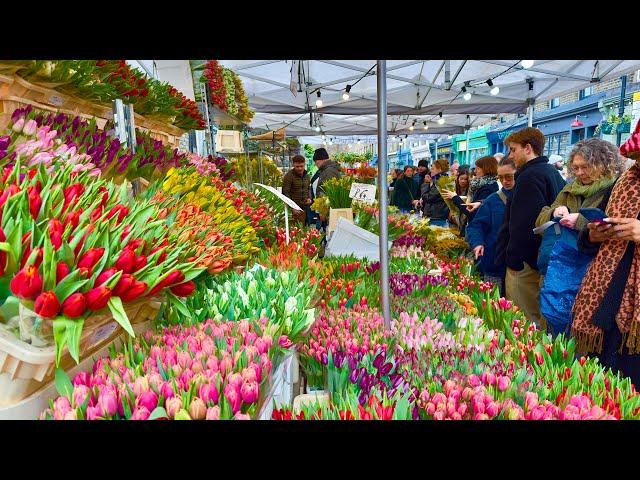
(509, 176)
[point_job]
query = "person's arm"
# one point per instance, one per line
(546, 213)
(479, 226)
(286, 186)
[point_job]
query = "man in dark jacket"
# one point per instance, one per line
(295, 185)
(537, 185)
(326, 169)
(418, 177)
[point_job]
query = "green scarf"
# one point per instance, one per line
(578, 189)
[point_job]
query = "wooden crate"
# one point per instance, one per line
(16, 92)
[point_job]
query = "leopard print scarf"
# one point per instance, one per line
(625, 203)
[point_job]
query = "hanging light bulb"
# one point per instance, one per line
(412, 127)
(324, 137)
(495, 90)
(425, 127)
(345, 95)
(527, 63)
(317, 128)
(440, 120)
(319, 100)
(467, 94)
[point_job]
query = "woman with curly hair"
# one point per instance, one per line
(595, 164)
(606, 313)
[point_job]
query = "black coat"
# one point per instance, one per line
(433, 205)
(403, 193)
(537, 186)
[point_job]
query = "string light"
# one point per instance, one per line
(426, 127)
(527, 63)
(345, 95)
(319, 100)
(467, 94)
(317, 128)
(495, 90)
(412, 126)
(440, 120)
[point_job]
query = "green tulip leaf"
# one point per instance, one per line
(119, 315)
(63, 384)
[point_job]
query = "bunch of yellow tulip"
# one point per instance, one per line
(192, 187)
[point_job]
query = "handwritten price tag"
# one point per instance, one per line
(363, 192)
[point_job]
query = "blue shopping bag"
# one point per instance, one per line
(567, 267)
(553, 232)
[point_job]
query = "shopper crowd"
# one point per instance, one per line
(560, 240)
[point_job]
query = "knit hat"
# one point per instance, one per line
(320, 154)
(423, 163)
(631, 148)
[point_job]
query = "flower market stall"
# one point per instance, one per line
(186, 301)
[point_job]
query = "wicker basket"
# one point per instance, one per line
(25, 368)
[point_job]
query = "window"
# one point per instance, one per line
(554, 102)
(586, 92)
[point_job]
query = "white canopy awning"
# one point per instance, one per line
(284, 92)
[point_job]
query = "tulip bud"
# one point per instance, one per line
(18, 125)
(62, 270)
(71, 415)
(119, 210)
(108, 403)
(213, 413)
(503, 383)
(182, 414)
(173, 405)
(47, 305)
(27, 283)
(97, 298)
(82, 378)
(126, 260)
(55, 233)
(184, 289)
(148, 399)
(35, 201)
(30, 128)
(140, 413)
(197, 409)
(91, 257)
(135, 290)
(104, 276)
(234, 398)
(249, 392)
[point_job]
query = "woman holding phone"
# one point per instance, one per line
(595, 164)
(606, 313)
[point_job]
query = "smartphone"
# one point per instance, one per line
(594, 215)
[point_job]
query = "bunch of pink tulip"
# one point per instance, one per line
(357, 330)
(211, 371)
(42, 146)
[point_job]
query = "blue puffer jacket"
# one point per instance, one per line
(483, 230)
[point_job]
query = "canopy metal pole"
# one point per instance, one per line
(623, 91)
(381, 74)
(530, 108)
(466, 160)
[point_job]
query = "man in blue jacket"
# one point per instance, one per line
(537, 185)
(482, 231)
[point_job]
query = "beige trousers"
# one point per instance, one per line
(523, 288)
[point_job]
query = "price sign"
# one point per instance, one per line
(56, 100)
(363, 192)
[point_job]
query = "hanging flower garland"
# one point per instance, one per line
(230, 86)
(244, 112)
(214, 76)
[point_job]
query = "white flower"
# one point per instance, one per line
(290, 306)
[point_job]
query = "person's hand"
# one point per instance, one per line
(308, 201)
(473, 206)
(625, 228)
(415, 202)
(322, 217)
(599, 232)
(561, 211)
(478, 251)
(448, 194)
(427, 178)
(568, 220)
